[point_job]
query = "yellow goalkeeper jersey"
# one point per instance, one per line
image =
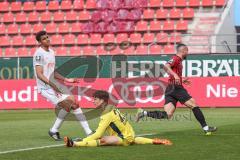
(114, 123)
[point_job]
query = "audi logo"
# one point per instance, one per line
(142, 92)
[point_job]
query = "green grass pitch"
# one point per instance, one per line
(28, 129)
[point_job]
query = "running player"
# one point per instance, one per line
(176, 92)
(48, 87)
(115, 124)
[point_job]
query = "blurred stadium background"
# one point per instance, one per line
(146, 31)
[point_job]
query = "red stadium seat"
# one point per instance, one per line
(45, 16)
(130, 50)
(88, 27)
(4, 6)
(141, 26)
(127, 26)
(28, 6)
(148, 14)
(168, 49)
(41, 6)
(96, 16)
(23, 52)
(175, 13)
(78, 4)
(51, 28)
(69, 39)
(37, 27)
(61, 51)
(58, 16)
(30, 40)
(155, 49)
(181, 3)
(56, 39)
(116, 51)
(108, 38)
(162, 38)
(53, 6)
(71, 16)
(148, 37)
(8, 18)
(155, 26)
(136, 38)
(162, 14)
(95, 38)
(207, 3)
(155, 3)
(91, 4)
(168, 3)
(188, 13)
(84, 16)
(76, 27)
(142, 49)
(103, 4)
(116, 4)
(12, 29)
(101, 27)
(175, 37)
(66, 5)
(33, 17)
(220, 3)
(168, 25)
(17, 41)
(135, 14)
(100, 50)
(75, 50)
(122, 37)
(182, 25)
(88, 50)
(63, 28)
(122, 14)
(2, 29)
(21, 17)
(10, 52)
(16, 6)
(32, 51)
(5, 41)
(194, 3)
(26, 28)
(82, 39)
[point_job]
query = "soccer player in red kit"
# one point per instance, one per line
(176, 92)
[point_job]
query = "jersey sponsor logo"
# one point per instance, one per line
(38, 58)
(142, 92)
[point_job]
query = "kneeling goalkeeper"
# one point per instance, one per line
(115, 124)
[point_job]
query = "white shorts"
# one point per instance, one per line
(52, 96)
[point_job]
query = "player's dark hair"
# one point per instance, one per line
(40, 34)
(101, 95)
(180, 45)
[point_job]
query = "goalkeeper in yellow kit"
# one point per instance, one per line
(115, 124)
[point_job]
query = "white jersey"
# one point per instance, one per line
(46, 59)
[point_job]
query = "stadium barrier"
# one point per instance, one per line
(208, 92)
(207, 65)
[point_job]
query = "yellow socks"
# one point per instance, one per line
(142, 140)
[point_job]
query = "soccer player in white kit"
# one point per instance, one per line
(48, 87)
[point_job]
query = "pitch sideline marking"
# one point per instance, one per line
(52, 146)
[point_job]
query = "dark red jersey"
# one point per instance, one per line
(176, 64)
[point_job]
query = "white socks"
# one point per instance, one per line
(145, 113)
(60, 118)
(82, 119)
